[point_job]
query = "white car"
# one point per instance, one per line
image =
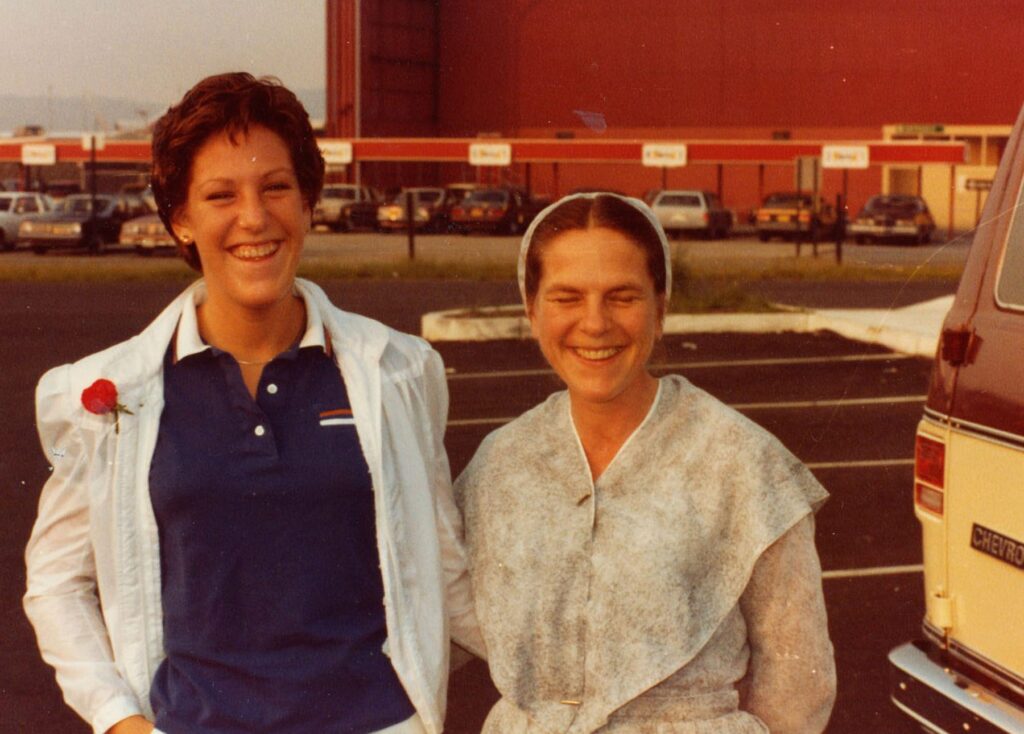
(16, 206)
(146, 234)
(692, 211)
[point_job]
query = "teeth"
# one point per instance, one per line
(252, 252)
(598, 353)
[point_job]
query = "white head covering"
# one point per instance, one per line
(635, 203)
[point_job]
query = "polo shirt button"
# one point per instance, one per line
(272, 389)
(260, 430)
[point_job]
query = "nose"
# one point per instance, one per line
(252, 214)
(596, 318)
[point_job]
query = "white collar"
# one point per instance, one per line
(188, 341)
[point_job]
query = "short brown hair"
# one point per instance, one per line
(585, 212)
(228, 103)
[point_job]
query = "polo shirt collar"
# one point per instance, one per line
(188, 342)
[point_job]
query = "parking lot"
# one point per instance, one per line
(848, 409)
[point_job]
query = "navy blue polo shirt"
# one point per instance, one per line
(271, 588)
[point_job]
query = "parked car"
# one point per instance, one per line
(507, 210)
(966, 671)
(336, 202)
(893, 217)
(146, 235)
(16, 207)
(697, 212)
(790, 214)
(427, 209)
(71, 224)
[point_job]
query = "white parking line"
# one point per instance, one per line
(453, 374)
(838, 403)
(852, 573)
(865, 464)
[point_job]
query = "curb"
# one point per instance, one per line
(913, 330)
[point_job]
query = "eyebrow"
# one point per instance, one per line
(564, 288)
(222, 180)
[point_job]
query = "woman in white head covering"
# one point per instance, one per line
(642, 556)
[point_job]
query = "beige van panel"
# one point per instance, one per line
(985, 488)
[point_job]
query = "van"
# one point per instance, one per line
(966, 672)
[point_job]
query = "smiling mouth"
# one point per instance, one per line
(597, 354)
(255, 251)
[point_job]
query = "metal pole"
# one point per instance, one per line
(797, 239)
(952, 200)
(840, 221)
(93, 243)
(410, 224)
(664, 177)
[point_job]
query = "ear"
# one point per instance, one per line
(662, 306)
(531, 315)
(180, 225)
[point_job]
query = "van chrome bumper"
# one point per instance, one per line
(944, 701)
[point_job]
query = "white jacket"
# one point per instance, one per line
(93, 558)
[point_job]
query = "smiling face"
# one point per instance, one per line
(247, 217)
(596, 316)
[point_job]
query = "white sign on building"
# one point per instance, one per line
(490, 154)
(664, 155)
(89, 138)
(336, 152)
(38, 154)
(844, 156)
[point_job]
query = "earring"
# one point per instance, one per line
(185, 238)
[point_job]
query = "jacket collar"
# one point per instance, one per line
(133, 364)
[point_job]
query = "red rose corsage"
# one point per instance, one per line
(100, 398)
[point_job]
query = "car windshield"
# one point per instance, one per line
(679, 200)
(339, 193)
(487, 197)
(790, 201)
(82, 204)
(894, 205)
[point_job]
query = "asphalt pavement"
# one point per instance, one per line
(848, 408)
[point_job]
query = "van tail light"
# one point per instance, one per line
(928, 498)
(705, 217)
(929, 474)
(804, 216)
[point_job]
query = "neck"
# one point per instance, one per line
(604, 427)
(252, 335)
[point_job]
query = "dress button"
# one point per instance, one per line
(260, 430)
(272, 389)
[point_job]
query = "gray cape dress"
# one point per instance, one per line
(680, 593)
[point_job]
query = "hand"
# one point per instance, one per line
(132, 725)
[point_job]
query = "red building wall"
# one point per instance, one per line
(681, 69)
(509, 64)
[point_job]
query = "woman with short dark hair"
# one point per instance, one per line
(642, 556)
(249, 524)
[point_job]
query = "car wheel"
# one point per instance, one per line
(39, 249)
(763, 236)
(924, 237)
(5, 243)
(144, 251)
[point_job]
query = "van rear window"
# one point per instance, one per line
(1010, 288)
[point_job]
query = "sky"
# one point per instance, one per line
(155, 50)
